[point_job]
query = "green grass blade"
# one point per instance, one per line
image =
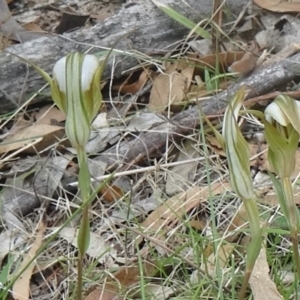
(183, 20)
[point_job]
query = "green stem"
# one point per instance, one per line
(79, 276)
(292, 219)
(84, 181)
(84, 177)
(255, 244)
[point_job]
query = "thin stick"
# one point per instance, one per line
(146, 169)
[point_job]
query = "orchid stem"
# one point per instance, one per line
(84, 180)
(255, 243)
(292, 219)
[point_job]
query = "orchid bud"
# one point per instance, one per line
(237, 150)
(282, 129)
(284, 110)
(76, 91)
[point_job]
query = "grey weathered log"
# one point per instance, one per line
(140, 26)
(147, 144)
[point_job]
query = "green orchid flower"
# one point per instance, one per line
(282, 132)
(76, 86)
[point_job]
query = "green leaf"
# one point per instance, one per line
(237, 150)
(183, 20)
(283, 144)
(83, 240)
(291, 108)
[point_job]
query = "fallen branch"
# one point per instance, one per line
(147, 144)
(140, 26)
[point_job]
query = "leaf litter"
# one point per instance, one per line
(163, 204)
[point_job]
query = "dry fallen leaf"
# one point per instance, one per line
(170, 213)
(10, 28)
(248, 62)
(224, 59)
(180, 176)
(210, 264)
(98, 247)
(32, 27)
(121, 280)
(10, 240)
(215, 145)
(133, 88)
(271, 198)
(50, 115)
(239, 220)
(106, 293)
(170, 88)
(286, 52)
(111, 193)
(260, 282)
(128, 275)
(21, 288)
(245, 65)
(143, 122)
(152, 291)
(279, 5)
(36, 136)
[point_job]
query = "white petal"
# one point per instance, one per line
(298, 106)
(89, 68)
(273, 112)
(59, 74)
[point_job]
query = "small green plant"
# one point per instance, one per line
(183, 20)
(238, 156)
(282, 131)
(75, 89)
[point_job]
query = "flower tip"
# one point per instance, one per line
(89, 68)
(90, 64)
(59, 73)
(273, 112)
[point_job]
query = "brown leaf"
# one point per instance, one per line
(245, 65)
(248, 62)
(222, 255)
(260, 282)
(32, 27)
(129, 275)
(215, 145)
(111, 193)
(49, 114)
(98, 248)
(239, 220)
(224, 59)
(171, 87)
(38, 135)
(169, 213)
(21, 288)
(110, 293)
(133, 88)
(120, 281)
(279, 5)
(20, 124)
(10, 28)
(271, 198)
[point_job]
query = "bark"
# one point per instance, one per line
(139, 26)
